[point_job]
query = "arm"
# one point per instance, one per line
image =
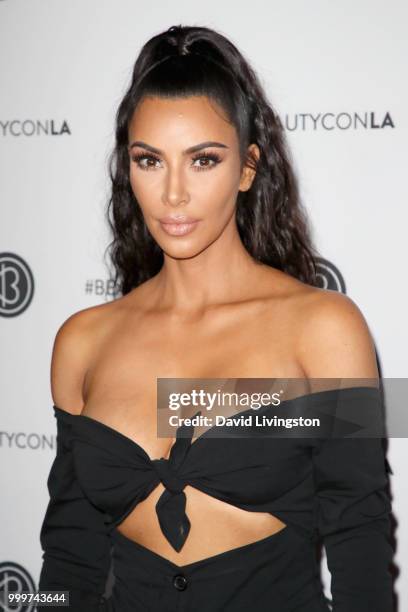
(352, 504)
(353, 517)
(73, 535)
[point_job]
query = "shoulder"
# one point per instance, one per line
(74, 345)
(333, 338)
(79, 341)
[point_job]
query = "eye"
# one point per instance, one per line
(207, 157)
(143, 156)
(148, 162)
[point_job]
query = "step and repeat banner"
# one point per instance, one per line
(334, 72)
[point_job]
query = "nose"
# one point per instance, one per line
(175, 189)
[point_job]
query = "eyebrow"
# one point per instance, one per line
(197, 147)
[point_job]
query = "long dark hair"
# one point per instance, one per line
(185, 61)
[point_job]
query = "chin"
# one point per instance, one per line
(186, 251)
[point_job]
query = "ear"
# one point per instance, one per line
(249, 169)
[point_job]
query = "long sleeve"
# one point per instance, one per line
(73, 536)
(353, 518)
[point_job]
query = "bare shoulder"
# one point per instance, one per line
(74, 345)
(81, 338)
(333, 338)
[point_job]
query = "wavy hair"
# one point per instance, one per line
(185, 61)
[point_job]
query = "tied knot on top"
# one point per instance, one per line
(168, 477)
(171, 505)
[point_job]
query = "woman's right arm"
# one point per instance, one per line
(74, 538)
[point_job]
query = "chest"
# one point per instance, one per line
(121, 382)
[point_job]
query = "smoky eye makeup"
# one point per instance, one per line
(203, 160)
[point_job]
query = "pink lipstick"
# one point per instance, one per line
(178, 225)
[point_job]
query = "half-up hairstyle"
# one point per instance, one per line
(189, 61)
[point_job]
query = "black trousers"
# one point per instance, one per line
(278, 573)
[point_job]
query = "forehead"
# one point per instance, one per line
(188, 119)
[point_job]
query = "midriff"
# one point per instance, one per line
(216, 526)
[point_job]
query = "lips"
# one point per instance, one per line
(177, 219)
(179, 225)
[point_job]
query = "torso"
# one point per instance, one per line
(133, 344)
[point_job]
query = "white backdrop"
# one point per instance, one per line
(327, 67)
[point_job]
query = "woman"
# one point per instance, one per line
(215, 267)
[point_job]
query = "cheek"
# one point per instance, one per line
(217, 187)
(140, 187)
(147, 192)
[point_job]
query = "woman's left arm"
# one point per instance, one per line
(353, 517)
(350, 474)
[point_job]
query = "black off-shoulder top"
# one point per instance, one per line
(333, 488)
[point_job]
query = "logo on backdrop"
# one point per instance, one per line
(366, 120)
(16, 285)
(27, 441)
(329, 277)
(34, 127)
(14, 578)
(100, 287)
(328, 121)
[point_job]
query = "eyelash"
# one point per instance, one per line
(216, 159)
